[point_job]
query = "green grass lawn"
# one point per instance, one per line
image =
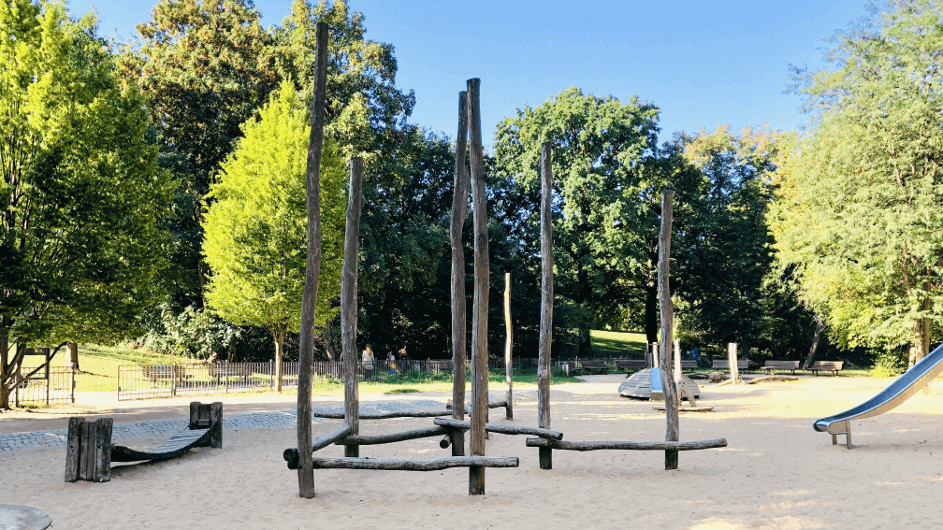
(99, 365)
(616, 344)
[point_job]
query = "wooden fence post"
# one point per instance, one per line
(546, 299)
(309, 295)
(479, 401)
(667, 329)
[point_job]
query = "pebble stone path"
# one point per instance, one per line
(165, 428)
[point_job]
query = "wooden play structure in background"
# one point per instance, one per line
(301, 458)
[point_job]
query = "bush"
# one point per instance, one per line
(193, 333)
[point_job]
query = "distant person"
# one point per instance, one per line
(391, 363)
(369, 363)
(404, 359)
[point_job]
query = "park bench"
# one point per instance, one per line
(724, 364)
(826, 366)
(792, 366)
(165, 372)
(631, 364)
(594, 364)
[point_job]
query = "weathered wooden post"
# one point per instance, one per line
(210, 416)
(309, 297)
(349, 303)
(479, 401)
(508, 348)
(667, 327)
(677, 360)
(732, 359)
(459, 337)
(546, 300)
(88, 453)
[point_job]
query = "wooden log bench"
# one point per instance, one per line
(826, 366)
(724, 364)
(792, 366)
(90, 453)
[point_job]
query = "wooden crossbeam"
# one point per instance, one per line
(415, 465)
(501, 429)
(630, 446)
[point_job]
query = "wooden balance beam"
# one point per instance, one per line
(630, 446)
(384, 415)
(501, 429)
(341, 436)
(433, 464)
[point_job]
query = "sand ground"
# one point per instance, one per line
(775, 473)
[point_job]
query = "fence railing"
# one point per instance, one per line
(168, 380)
(55, 385)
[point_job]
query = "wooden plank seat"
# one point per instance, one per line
(792, 366)
(688, 364)
(826, 366)
(228, 370)
(724, 364)
(89, 451)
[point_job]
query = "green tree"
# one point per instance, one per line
(255, 227)
(859, 212)
(729, 246)
(606, 194)
(205, 68)
(82, 191)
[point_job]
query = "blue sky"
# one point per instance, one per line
(703, 63)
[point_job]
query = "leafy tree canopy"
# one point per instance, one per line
(859, 211)
(256, 226)
(79, 238)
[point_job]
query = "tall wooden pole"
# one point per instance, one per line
(732, 359)
(546, 300)
(309, 295)
(459, 337)
(667, 328)
(479, 401)
(508, 349)
(677, 360)
(349, 303)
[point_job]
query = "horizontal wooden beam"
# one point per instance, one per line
(491, 405)
(291, 454)
(384, 415)
(394, 437)
(630, 446)
(415, 465)
(501, 429)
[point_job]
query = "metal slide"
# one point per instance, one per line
(896, 393)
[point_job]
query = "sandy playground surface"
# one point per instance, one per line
(776, 472)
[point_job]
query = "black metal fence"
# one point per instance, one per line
(53, 384)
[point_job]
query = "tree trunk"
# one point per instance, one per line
(74, 355)
(651, 313)
(4, 357)
(279, 336)
(921, 341)
(329, 339)
(819, 326)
